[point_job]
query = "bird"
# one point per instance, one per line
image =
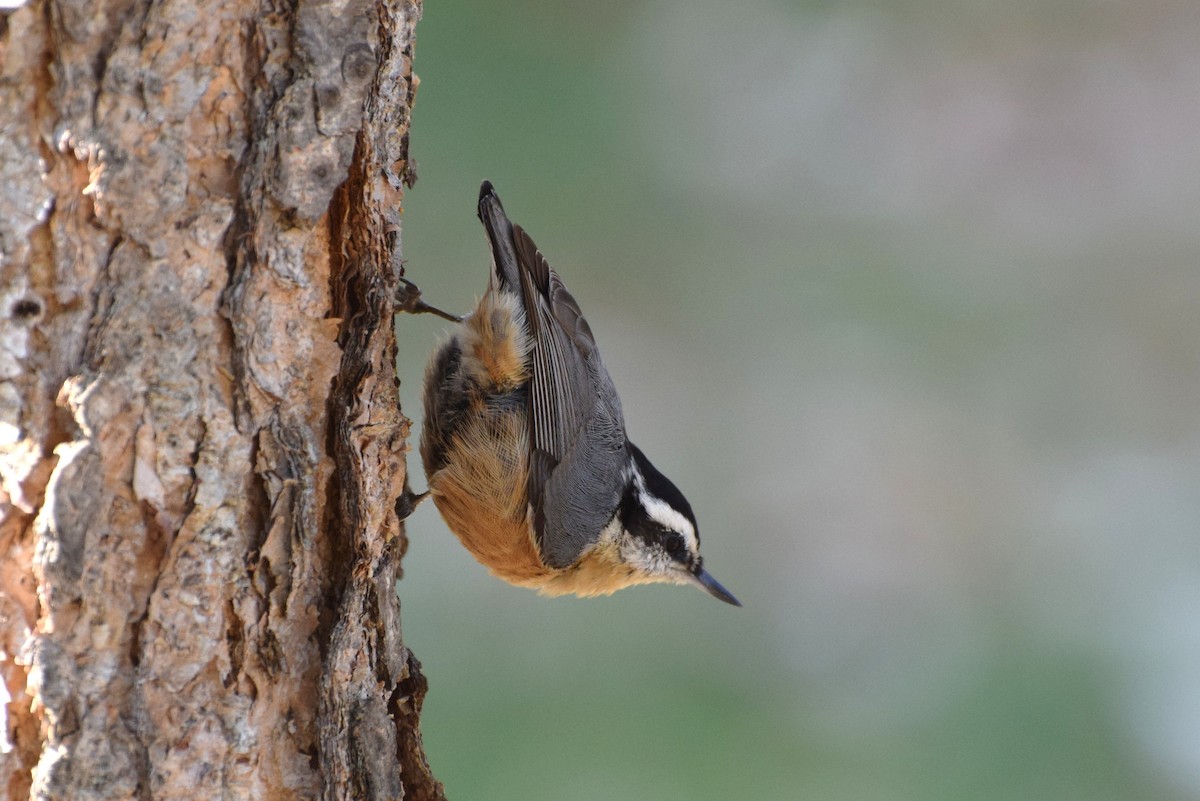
(524, 443)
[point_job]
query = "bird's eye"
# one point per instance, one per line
(674, 544)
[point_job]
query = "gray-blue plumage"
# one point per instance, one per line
(576, 482)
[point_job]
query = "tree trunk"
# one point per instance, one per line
(202, 447)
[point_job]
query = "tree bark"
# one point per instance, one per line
(203, 454)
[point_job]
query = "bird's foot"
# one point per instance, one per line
(408, 502)
(408, 299)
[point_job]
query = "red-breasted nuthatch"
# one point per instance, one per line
(524, 442)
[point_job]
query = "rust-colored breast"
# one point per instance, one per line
(481, 494)
(476, 440)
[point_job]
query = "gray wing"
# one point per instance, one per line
(577, 431)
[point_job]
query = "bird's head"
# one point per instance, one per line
(658, 537)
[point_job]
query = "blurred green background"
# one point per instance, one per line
(906, 297)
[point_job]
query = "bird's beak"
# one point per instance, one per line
(704, 580)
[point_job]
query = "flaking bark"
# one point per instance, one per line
(201, 447)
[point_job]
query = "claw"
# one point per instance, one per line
(408, 299)
(408, 502)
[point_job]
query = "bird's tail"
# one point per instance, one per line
(505, 272)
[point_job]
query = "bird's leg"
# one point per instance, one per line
(408, 299)
(408, 502)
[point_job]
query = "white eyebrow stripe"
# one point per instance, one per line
(661, 512)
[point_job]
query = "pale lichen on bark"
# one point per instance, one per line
(200, 440)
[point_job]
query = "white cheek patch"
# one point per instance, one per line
(649, 561)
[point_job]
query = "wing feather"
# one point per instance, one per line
(575, 481)
(563, 394)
